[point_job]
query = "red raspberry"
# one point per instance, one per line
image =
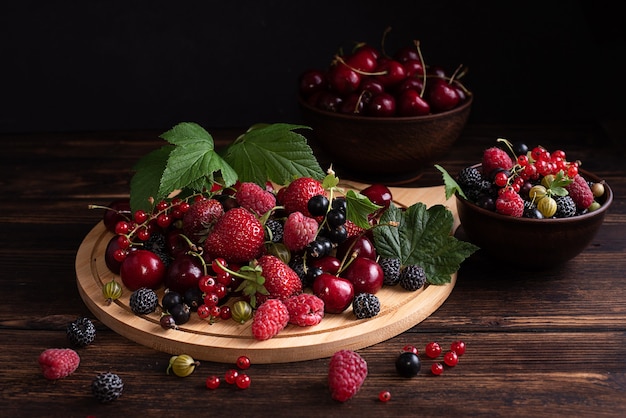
(299, 230)
(269, 319)
(57, 363)
(495, 158)
(255, 198)
(510, 203)
(305, 309)
(346, 373)
(295, 197)
(580, 192)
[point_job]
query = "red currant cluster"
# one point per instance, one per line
(232, 376)
(370, 83)
(450, 357)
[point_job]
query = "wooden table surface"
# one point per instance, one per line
(549, 343)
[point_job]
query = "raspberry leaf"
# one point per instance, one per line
(451, 186)
(272, 152)
(422, 237)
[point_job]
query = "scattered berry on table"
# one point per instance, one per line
(182, 365)
(433, 349)
(57, 363)
(436, 368)
(231, 376)
(384, 396)
(408, 364)
(458, 347)
(451, 358)
(365, 305)
(212, 382)
(412, 277)
(269, 319)
(305, 309)
(107, 387)
(143, 301)
(243, 362)
(347, 371)
(81, 332)
(242, 381)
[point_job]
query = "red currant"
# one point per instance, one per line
(501, 179)
(243, 362)
(242, 381)
(162, 205)
(122, 228)
(433, 349)
(436, 369)
(384, 396)
(143, 234)
(164, 220)
(451, 358)
(410, 348)
(572, 170)
(212, 382)
(206, 284)
(211, 299)
(123, 241)
(231, 376)
(215, 311)
(225, 312)
(140, 216)
(204, 311)
(120, 254)
(458, 347)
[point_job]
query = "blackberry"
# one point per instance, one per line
(391, 270)
(81, 332)
(365, 305)
(565, 206)
(412, 277)
(297, 264)
(274, 230)
(470, 177)
(143, 301)
(157, 243)
(107, 387)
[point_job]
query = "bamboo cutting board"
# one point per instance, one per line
(224, 341)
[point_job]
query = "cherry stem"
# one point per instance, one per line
(419, 54)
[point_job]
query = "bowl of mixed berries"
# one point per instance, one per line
(529, 206)
(382, 116)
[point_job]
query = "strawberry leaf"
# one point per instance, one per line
(272, 152)
(422, 237)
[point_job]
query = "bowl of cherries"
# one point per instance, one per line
(384, 116)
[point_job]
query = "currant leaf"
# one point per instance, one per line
(147, 179)
(358, 207)
(272, 152)
(423, 237)
(451, 186)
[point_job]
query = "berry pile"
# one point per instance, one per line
(519, 181)
(368, 82)
(273, 256)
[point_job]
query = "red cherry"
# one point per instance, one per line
(312, 81)
(413, 68)
(336, 292)
(382, 105)
(411, 83)
(118, 210)
(343, 79)
(380, 195)
(360, 244)
(353, 104)
(362, 59)
(372, 85)
(184, 273)
(441, 95)
(328, 264)
(394, 72)
(407, 53)
(410, 103)
(142, 268)
(366, 275)
(328, 101)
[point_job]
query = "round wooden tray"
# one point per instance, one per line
(224, 341)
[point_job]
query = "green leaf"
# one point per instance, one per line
(451, 186)
(144, 186)
(272, 152)
(358, 207)
(422, 237)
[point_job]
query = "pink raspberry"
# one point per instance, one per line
(299, 230)
(305, 309)
(510, 203)
(269, 319)
(495, 158)
(256, 199)
(346, 373)
(57, 363)
(580, 192)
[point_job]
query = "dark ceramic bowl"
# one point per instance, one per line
(532, 243)
(382, 149)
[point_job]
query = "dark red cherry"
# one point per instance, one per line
(363, 59)
(312, 81)
(142, 268)
(410, 103)
(440, 95)
(436, 71)
(393, 72)
(413, 68)
(365, 274)
(343, 80)
(328, 101)
(372, 85)
(378, 194)
(407, 53)
(382, 105)
(118, 210)
(352, 105)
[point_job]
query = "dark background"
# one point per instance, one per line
(100, 65)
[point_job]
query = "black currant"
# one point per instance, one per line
(311, 274)
(315, 249)
(170, 299)
(339, 203)
(408, 364)
(337, 235)
(520, 148)
(180, 313)
(318, 205)
(193, 298)
(336, 217)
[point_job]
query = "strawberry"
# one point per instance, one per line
(281, 281)
(305, 309)
(352, 228)
(298, 231)
(57, 363)
(200, 218)
(269, 319)
(347, 371)
(495, 158)
(295, 197)
(580, 192)
(255, 198)
(237, 237)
